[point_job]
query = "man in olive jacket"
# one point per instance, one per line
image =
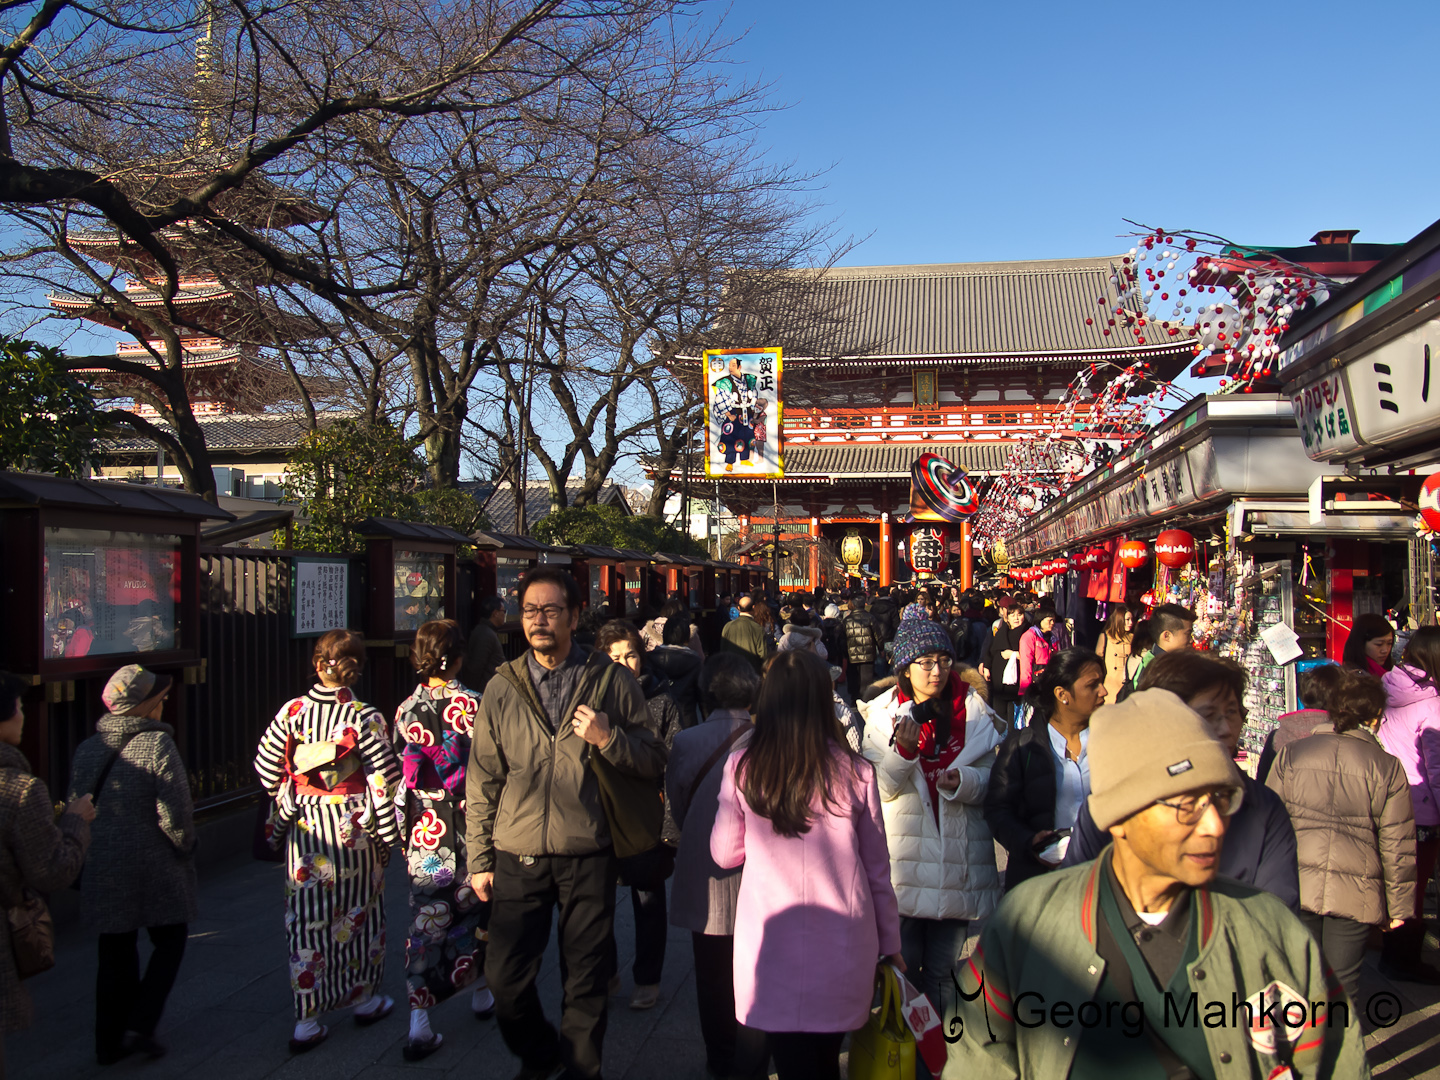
(536, 830)
(744, 636)
(1145, 963)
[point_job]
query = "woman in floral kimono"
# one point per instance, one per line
(444, 951)
(334, 778)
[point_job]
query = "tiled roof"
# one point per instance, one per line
(239, 431)
(500, 507)
(42, 489)
(863, 461)
(957, 309)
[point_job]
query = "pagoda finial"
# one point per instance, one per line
(205, 78)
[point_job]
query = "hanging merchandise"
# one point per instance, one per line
(1134, 554)
(1430, 502)
(1174, 548)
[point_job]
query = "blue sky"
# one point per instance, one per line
(959, 132)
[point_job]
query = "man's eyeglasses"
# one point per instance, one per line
(1189, 809)
(552, 612)
(927, 664)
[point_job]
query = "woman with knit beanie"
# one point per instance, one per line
(932, 739)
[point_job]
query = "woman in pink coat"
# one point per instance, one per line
(1036, 648)
(816, 911)
(1411, 732)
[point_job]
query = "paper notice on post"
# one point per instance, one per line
(1282, 642)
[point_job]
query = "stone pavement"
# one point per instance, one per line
(230, 1014)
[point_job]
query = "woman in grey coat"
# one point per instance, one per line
(140, 872)
(38, 851)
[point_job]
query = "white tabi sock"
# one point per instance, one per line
(482, 1000)
(305, 1030)
(419, 1025)
(372, 1004)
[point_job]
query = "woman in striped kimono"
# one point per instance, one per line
(444, 950)
(327, 763)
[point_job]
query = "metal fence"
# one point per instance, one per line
(252, 665)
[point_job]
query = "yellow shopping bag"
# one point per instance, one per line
(884, 1049)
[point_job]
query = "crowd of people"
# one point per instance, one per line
(846, 781)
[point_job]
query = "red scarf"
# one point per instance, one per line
(933, 765)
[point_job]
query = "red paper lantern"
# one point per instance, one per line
(1430, 501)
(928, 550)
(1174, 548)
(1133, 554)
(1098, 558)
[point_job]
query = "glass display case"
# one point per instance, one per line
(634, 588)
(419, 588)
(508, 573)
(110, 592)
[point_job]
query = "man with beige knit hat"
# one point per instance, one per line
(1145, 963)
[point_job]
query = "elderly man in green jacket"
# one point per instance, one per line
(1144, 963)
(744, 636)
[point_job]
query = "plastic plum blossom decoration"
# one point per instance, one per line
(1228, 300)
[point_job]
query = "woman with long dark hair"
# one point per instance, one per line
(816, 910)
(443, 950)
(1002, 661)
(1041, 775)
(1411, 732)
(1115, 647)
(1367, 649)
(326, 761)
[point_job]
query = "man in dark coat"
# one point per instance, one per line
(483, 652)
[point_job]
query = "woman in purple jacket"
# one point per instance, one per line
(1411, 732)
(816, 910)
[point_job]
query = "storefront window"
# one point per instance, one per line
(694, 589)
(419, 588)
(507, 579)
(110, 592)
(597, 588)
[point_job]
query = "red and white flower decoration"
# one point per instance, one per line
(428, 831)
(419, 734)
(460, 713)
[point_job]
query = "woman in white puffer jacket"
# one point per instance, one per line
(932, 739)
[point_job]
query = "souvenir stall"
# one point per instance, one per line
(96, 576)
(1221, 511)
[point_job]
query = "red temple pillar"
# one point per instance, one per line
(887, 552)
(814, 567)
(967, 558)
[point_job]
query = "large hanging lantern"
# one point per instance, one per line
(1133, 554)
(928, 550)
(1174, 548)
(852, 551)
(1094, 558)
(1430, 501)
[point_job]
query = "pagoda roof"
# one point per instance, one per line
(972, 311)
(222, 309)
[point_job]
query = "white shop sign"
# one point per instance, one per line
(1385, 397)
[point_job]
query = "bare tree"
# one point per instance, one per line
(109, 129)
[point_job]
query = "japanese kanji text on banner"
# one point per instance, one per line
(742, 413)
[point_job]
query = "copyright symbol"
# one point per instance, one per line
(1383, 1010)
